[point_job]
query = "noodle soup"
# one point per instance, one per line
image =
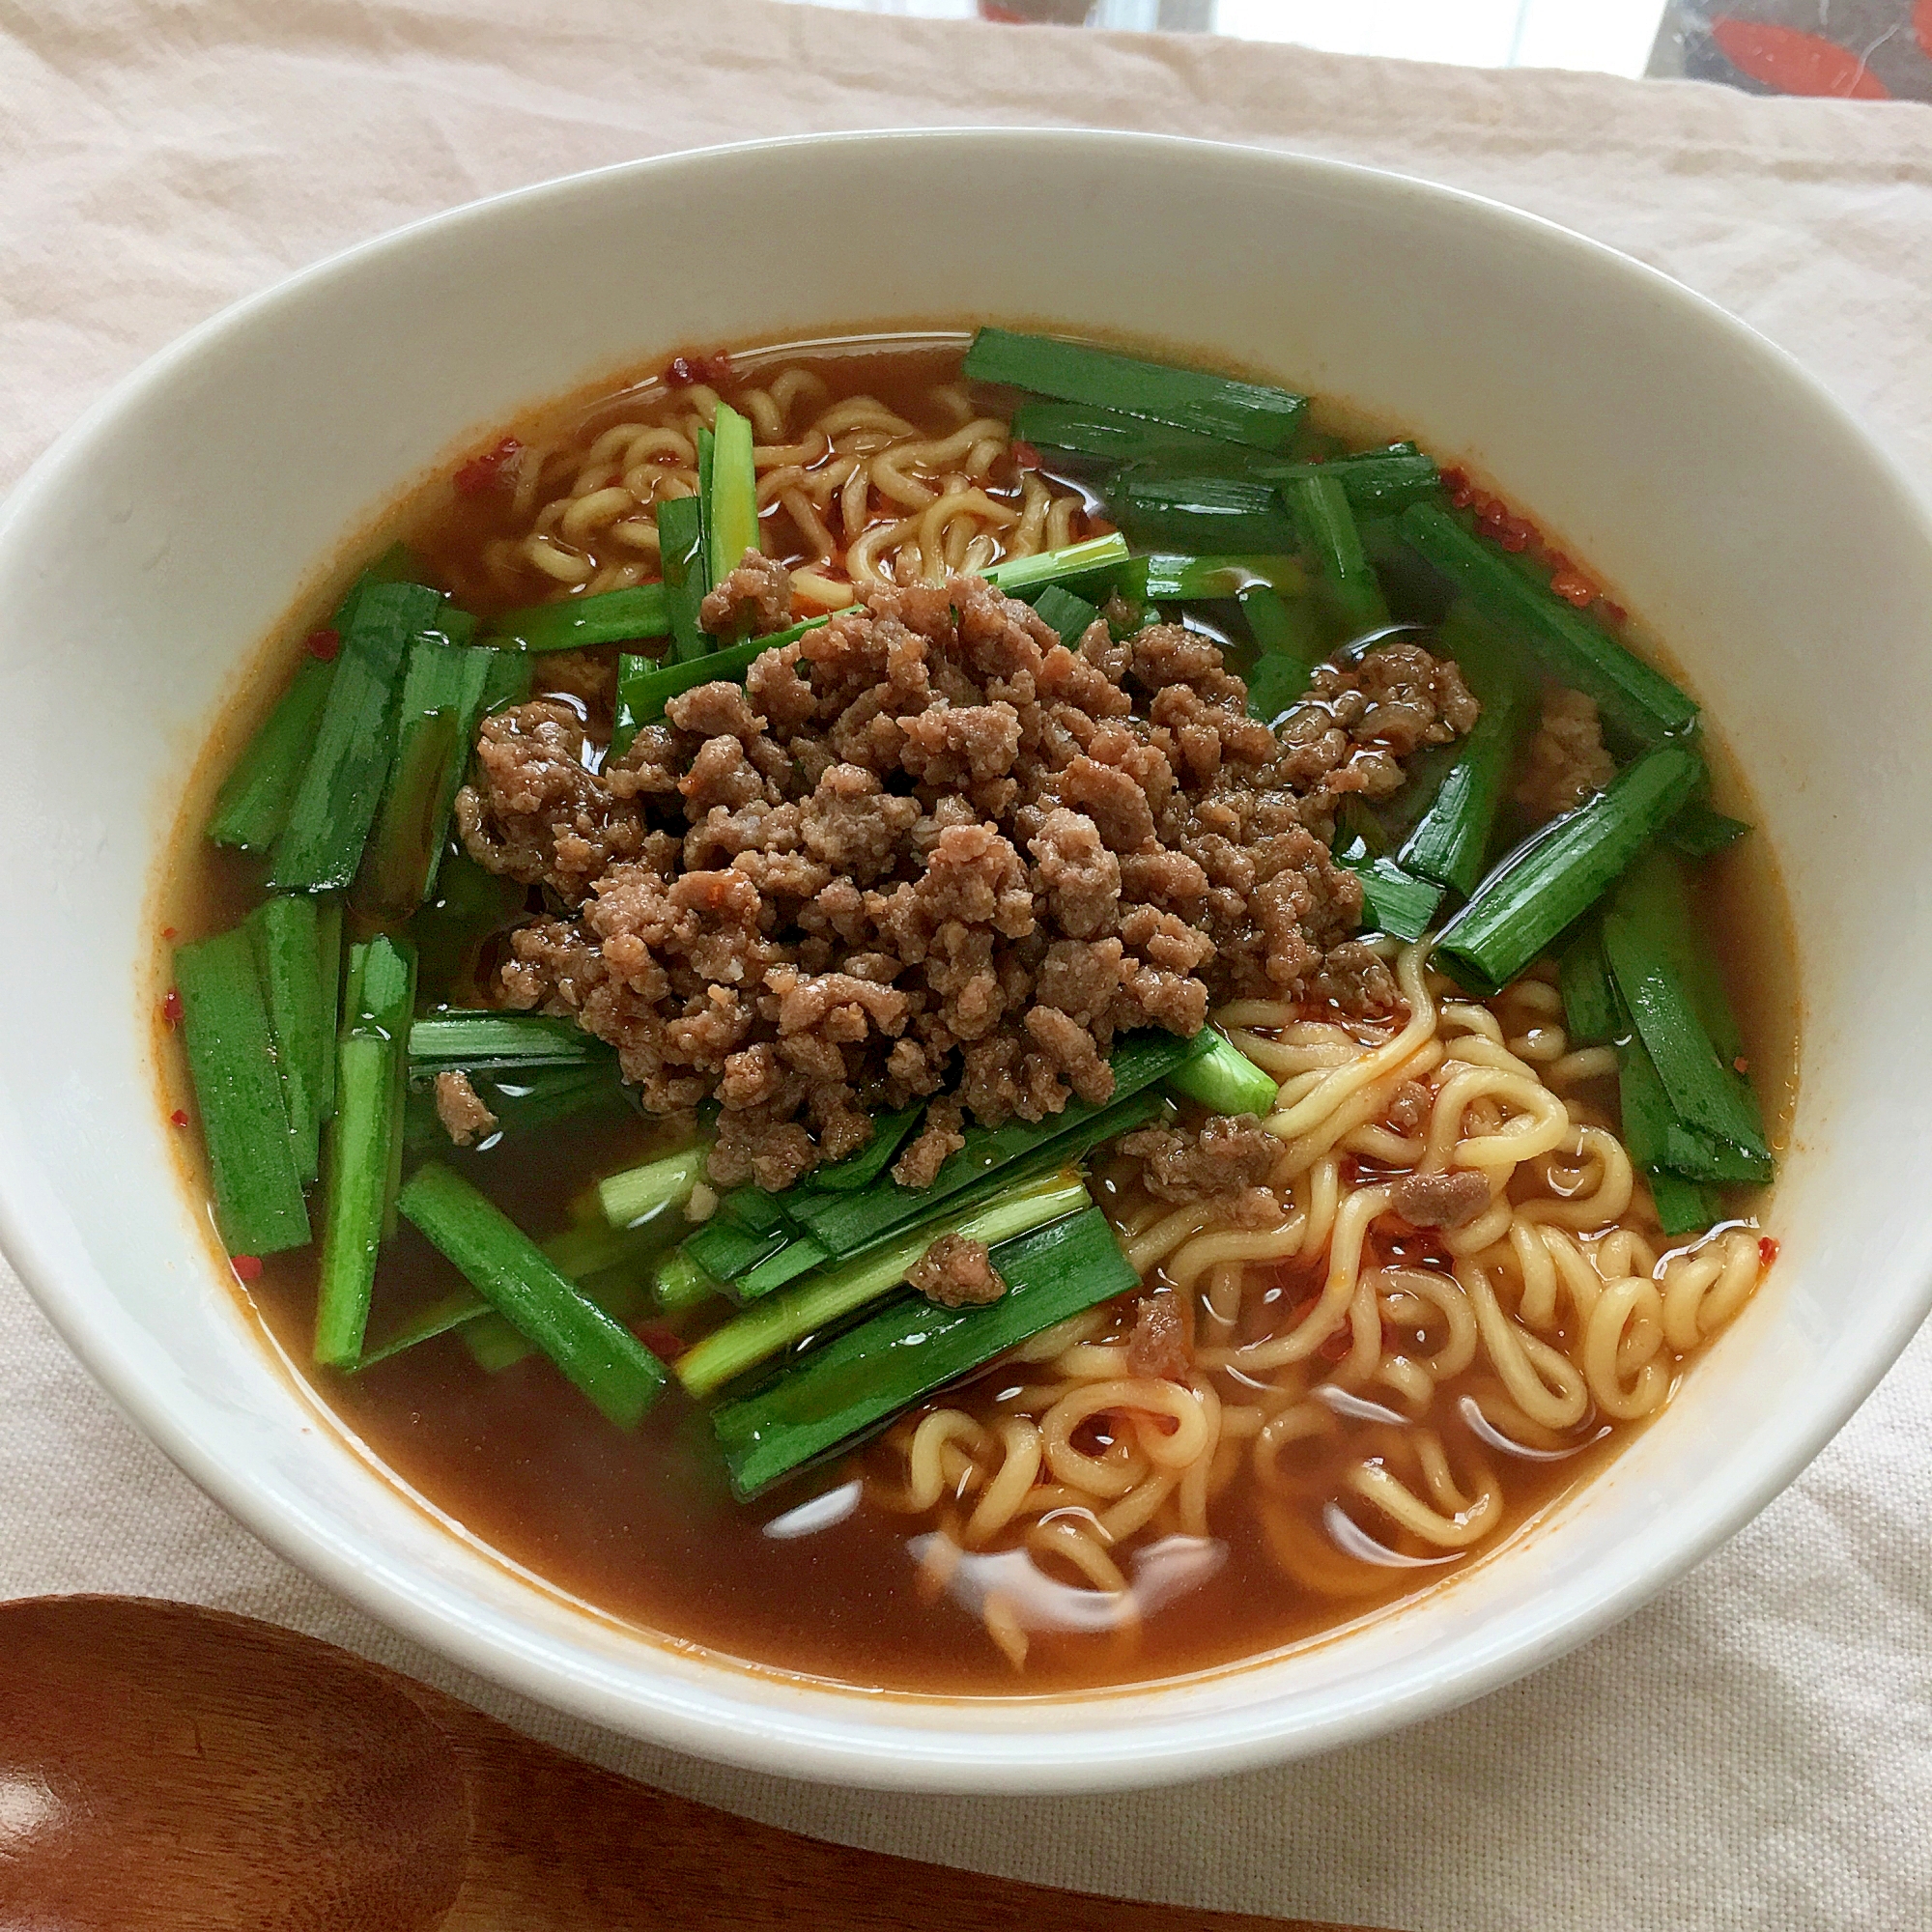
(1216, 876)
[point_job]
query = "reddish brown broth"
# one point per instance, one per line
(644, 1526)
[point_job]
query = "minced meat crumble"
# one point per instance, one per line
(957, 1271)
(928, 849)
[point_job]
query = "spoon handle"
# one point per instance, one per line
(544, 1823)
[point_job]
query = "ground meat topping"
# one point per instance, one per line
(1440, 1199)
(938, 1137)
(1356, 721)
(751, 600)
(1226, 1157)
(957, 1272)
(536, 809)
(589, 677)
(1566, 758)
(1409, 1111)
(464, 1118)
(1158, 1346)
(927, 850)
(1413, 698)
(1358, 978)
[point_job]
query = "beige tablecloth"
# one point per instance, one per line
(1753, 1749)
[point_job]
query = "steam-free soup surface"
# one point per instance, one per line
(821, 1576)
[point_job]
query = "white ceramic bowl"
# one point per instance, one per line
(1714, 487)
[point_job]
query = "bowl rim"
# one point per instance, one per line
(837, 1745)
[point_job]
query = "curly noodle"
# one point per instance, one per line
(866, 494)
(1556, 1314)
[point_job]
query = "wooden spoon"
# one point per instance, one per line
(165, 1767)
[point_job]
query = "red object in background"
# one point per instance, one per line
(1798, 63)
(991, 9)
(1921, 24)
